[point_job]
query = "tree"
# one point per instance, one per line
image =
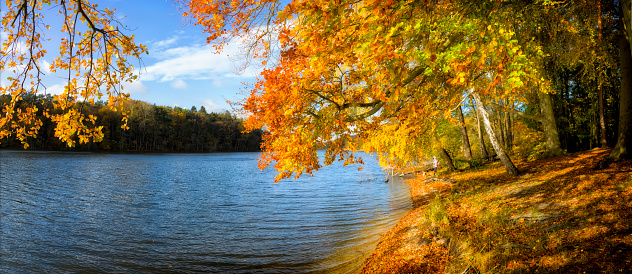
(509, 166)
(624, 139)
(444, 155)
(467, 151)
(93, 56)
(624, 134)
(481, 138)
(385, 71)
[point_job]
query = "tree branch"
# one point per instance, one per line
(24, 6)
(362, 116)
(519, 113)
(317, 93)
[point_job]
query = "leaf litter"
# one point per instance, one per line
(565, 214)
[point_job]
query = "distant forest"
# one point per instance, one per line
(151, 129)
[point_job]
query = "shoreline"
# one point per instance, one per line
(411, 243)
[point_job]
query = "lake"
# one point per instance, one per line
(90, 212)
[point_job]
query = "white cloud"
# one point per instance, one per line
(188, 63)
(56, 89)
(44, 66)
(198, 62)
(179, 84)
(135, 87)
(164, 43)
(211, 106)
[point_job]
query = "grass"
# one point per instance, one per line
(559, 216)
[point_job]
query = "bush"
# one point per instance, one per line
(529, 143)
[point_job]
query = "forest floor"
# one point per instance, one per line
(566, 214)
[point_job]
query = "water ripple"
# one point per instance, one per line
(82, 212)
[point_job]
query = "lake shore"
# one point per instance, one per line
(565, 214)
(411, 243)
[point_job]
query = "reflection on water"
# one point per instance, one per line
(187, 212)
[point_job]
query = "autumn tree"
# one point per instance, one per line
(385, 71)
(481, 139)
(93, 57)
(624, 134)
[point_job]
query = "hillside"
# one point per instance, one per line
(565, 214)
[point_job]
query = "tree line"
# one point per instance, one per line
(150, 128)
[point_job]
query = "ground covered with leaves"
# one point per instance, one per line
(567, 214)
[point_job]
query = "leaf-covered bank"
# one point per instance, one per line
(565, 214)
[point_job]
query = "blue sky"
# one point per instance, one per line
(181, 69)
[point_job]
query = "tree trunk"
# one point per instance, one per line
(447, 159)
(548, 123)
(626, 8)
(602, 119)
(509, 166)
(467, 151)
(481, 137)
(444, 155)
(501, 126)
(621, 149)
(508, 133)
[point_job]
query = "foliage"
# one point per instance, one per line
(529, 142)
(92, 57)
(384, 71)
(465, 164)
(150, 128)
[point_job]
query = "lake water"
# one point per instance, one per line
(87, 212)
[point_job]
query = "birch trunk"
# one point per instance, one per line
(509, 166)
(481, 137)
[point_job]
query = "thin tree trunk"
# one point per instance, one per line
(467, 150)
(508, 133)
(501, 123)
(481, 137)
(501, 126)
(621, 149)
(509, 166)
(602, 120)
